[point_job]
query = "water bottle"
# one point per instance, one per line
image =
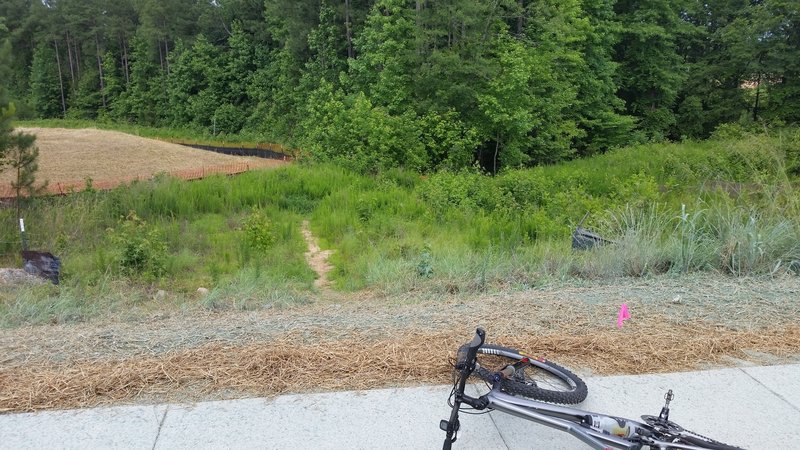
(612, 425)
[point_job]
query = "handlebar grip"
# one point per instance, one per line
(474, 345)
(478, 339)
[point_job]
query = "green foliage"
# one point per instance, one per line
(597, 110)
(195, 92)
(46, 96)
(717, 205)
(228, 119)
(145, 98)
(507, 105)
(259, 231)
(7, 109)
(425, 265)
(22, 157)
(359, 136)
(652, 67)
(17, 150)
(418, 85)
(326, 46)
(463, 193)
(448, 142)
(277, 107)
(383, 72)
(141, 248)
(240, 63)
(88, 97)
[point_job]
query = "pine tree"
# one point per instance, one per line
(6, 107)
(22, 158)
(240, 64)
(774, 50)
(712, 93)
(113, 86)
(327, 48)
(599, 113)
(88, 97)
(16, 149)
(651, 71)
(387, 56)
(144, 98)
(195, 88)
(45, 91)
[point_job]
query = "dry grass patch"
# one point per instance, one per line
(360, 362)
(359, 341)
(70, 155)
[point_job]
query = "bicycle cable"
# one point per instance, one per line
(462, 409)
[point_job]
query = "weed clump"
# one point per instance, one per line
(141, 248)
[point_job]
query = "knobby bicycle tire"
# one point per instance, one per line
(570, 391)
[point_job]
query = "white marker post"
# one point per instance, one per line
(22, 234)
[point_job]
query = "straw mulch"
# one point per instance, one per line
(360, 361)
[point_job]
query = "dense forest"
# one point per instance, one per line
(425, 84)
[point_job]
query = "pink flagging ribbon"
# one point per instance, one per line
(623, 315)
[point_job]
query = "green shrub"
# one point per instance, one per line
(353, 133)
(425, 265)
(228, 119)
(259, 231)
(141, 248)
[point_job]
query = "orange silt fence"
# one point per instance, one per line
(70, 187)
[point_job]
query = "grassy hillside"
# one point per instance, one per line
(721, 205)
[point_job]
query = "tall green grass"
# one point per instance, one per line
(725, 206)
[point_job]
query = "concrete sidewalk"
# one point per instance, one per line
(753, 407)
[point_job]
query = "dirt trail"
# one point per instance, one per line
(361, 341)
(317, 258)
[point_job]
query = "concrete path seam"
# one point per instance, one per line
(160, 425)
(784, 399)
(499, 431)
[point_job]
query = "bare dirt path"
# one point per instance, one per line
(317, 258)
(361, 340)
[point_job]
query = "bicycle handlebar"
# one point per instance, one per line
(472, 348)
(465, 368)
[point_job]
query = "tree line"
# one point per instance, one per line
(17, 150)
(423, 84)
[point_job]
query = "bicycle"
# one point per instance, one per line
(514, 391)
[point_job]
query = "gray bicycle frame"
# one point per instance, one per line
(567, 419)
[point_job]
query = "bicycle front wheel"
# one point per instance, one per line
(541, 380)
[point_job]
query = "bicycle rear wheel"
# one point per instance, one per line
(541, 380)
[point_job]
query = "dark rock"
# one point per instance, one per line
(42, 264)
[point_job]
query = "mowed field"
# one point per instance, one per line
(70, 156)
